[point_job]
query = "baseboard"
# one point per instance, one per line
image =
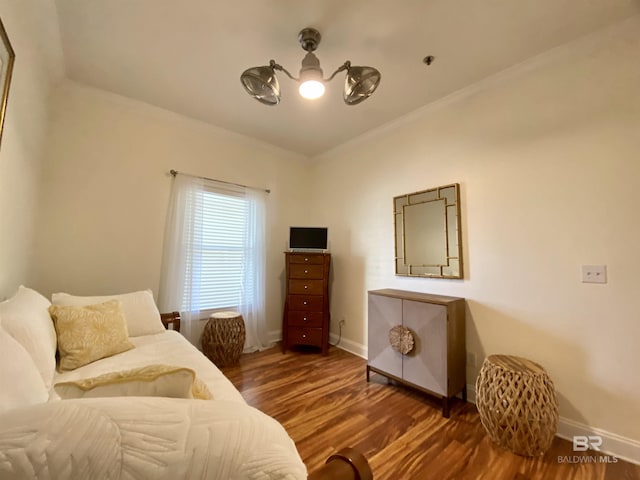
(348, 345)
(471, 394)
(613, 444)
(624, 448)
(274, 336)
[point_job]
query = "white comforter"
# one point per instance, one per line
(147, 437)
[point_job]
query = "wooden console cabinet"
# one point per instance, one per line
(306, 308)
(437, 362)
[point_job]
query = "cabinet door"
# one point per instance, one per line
(384, 313)
(426, 365)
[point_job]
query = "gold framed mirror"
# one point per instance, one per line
(428, 240)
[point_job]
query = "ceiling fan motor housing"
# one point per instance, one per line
(309, 39)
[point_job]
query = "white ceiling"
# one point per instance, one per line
(187, 56)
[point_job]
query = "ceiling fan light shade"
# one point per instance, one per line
(262, 84)
(311, 89)
(360, 84)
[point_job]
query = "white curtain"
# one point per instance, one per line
(181, 268)
(252, 306)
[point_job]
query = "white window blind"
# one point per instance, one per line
(216, 274)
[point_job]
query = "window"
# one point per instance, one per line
(215, 255)
(219, 254)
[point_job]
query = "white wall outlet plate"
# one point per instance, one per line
(594, 274)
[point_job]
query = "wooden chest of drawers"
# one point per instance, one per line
(306, 308)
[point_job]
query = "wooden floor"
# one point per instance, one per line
(325, 404)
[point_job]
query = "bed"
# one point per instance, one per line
(158, 408)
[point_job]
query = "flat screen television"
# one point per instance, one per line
(308, 238)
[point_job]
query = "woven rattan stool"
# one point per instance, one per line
(517, 404)
(223, 338)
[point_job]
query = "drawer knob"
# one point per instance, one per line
(304, 335)
(306, 259)
(304, 303)
(305, 287)
(304, 319)
(306, 271)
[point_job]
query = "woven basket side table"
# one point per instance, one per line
(517, 404)
(223, 338)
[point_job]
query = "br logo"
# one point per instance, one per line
(582, 443)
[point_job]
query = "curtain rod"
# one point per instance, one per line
(175, 172)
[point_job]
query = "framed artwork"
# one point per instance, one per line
(7, 57)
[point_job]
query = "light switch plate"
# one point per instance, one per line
(594, 274)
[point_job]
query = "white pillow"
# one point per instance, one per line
(26, 318)
(21, 382)
(139, 308)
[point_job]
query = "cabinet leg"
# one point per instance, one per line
(445, 407)
(464, 393)
(367, 373)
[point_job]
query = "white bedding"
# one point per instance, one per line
(169, 348)
(125, 437)
(145, 438)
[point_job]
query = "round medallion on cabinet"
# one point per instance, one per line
(401, 339)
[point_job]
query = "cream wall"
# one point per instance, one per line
(547, 158)
(546, 155)
(33, 32)
(106, 192)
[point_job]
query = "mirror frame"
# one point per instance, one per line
(453, 268)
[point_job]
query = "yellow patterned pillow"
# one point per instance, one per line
(86, 334)
(149, 381)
